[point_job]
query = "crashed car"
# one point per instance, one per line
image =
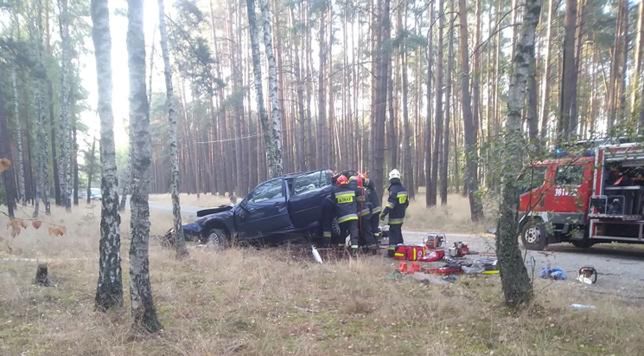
(279, 209)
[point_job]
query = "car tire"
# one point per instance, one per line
(534, 235)
(217, 238)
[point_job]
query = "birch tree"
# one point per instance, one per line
(109, 289)
(179, 239)
(142, 305)
(275, 158)
(516, 285)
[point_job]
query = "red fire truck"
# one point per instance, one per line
(585, 199)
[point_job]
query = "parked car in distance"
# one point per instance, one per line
(279, 209)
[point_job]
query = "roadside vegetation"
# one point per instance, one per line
(274, 301)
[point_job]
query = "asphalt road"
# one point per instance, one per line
(620, 267)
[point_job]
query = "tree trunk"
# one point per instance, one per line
(273, 154)
(323, 147)
(179, 239)
(514, 277)
(64, 124)
(20, 167)
(142, 305)
(637, 79)
(568, 84)
(90, 170)
(428, 126)
(5, 153)
(74, 163)
(444, 164)
(109, 289)
(438, 133)
(469, 126)
(545, 79)
(409, 138)
(380, 105)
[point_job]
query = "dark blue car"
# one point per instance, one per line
(279, 209)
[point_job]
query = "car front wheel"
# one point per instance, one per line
(533, 235)
(217, 238)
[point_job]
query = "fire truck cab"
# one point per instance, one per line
(585, 199)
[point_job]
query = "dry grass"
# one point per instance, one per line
(257, 302)
(453, 217)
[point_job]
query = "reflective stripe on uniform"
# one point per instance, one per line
(376, 210)
(396, 221)
(344, 197)
(348, 217)
(402, 197)
(326, 234)
(364, 212)
(390, 205)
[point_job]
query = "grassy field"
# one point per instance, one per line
(257, 302)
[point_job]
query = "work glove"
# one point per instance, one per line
(383, 216)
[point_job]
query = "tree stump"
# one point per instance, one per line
(42, 277)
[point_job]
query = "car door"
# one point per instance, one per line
(264, 211)
(305, 202)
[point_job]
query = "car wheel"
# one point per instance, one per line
(217, 238)
(534, 236)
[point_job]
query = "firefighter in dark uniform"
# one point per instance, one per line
(346, 210)
(374, 205)
(395, 208)
(367, 240)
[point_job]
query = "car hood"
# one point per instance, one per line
(222, 213)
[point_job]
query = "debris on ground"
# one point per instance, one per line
(582, 306)
(556, 273)
(587, 275)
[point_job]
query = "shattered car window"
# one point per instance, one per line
(268, 191)
(307, 183)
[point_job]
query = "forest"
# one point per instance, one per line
(211, 97)
(380, 84)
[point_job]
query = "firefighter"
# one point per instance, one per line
(374, 205)
(395, 208)
(346, 210)
(367, 239)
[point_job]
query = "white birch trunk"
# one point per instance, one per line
(179, 239)
(514, 276)
(275, 143)
(109, 289)
(142, 305)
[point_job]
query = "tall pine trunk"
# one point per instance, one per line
(438, 132)
(179, 239)
(20, 167)
(514, 276)
(469, 125)
(428, 124)
(64, 124)
(109, 289)
(409, 138)
(545, 79)
(142, 305)
(568, 84)
(8, 181)
(444, 164)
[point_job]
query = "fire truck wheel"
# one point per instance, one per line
(533, 235)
